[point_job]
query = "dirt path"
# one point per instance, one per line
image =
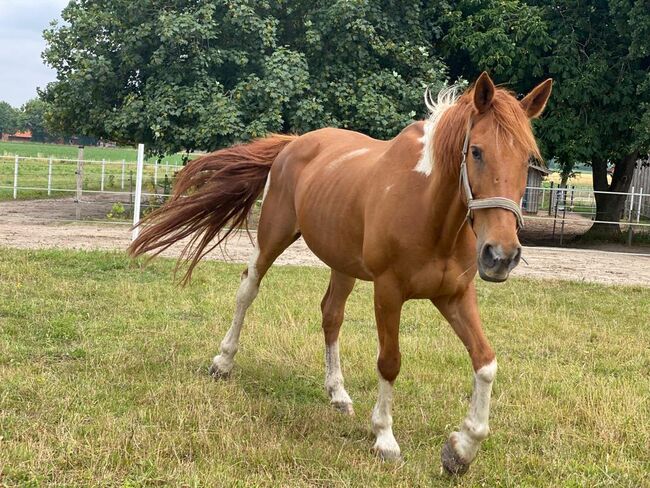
(17, 231)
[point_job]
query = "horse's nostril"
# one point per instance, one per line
(489, 256)
(517, 256)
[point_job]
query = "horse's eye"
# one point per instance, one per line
(476, 153)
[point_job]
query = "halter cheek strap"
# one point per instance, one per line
(479, 203)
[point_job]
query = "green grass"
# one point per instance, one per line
(32, 178)
(62, 151)
(32, 173)
(103, 381)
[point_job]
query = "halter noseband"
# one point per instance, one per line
(479, 203)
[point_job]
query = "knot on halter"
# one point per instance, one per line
(479, 203)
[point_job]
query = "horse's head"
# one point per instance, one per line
(498, 146)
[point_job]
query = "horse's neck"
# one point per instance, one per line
(448, 214)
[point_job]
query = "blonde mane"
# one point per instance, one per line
(446, 98)
(444, 129)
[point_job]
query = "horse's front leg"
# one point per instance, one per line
(462, 446)
(388, 307)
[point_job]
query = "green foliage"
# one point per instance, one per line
(33, 120)
(507, 38)
(603, 90)
(9, 118)
(188, 75)
(193, 74)
(597, 52)
(118, 212)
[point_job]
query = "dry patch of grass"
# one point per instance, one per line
(579, 180)
(103, 381)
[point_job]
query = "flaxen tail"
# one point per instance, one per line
(211, 192)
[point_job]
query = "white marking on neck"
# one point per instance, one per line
(344, 157)
(446, 98)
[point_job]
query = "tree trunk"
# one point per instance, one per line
(610, 207)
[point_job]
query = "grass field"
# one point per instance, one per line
(61, 151)
(33, 173)
(580, 180)
(103, 381)
(33, 176)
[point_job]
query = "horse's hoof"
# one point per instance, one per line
(344, 408)
(217, 374)
(451, 461)
(218, 370)
(387, 451)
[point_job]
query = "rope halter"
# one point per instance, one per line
(479, 203)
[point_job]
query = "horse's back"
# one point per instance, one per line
(330, 177)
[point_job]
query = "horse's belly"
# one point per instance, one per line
(332, 227)
(338, 254)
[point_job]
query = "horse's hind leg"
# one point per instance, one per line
(333, 308)
(276, 231)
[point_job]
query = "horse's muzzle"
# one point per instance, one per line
(495, 263)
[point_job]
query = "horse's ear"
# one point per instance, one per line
(483, 93)
(534, 103)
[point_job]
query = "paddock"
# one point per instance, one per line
(104, 378)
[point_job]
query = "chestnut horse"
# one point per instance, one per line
(416, 215)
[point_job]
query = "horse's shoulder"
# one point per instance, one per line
(407, 145)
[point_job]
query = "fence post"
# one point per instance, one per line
(563, 217)
(138, 192)
(550, 202)
(638, 210)
(131, 191)
(101, 185)
(16, 177)
(123, 168)
(80, 180)
(155, 173)
(49, 177)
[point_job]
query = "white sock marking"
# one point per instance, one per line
(382, 422)
(246, 293)
(475, 427)
(334, 376)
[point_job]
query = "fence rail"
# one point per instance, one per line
(132, 182)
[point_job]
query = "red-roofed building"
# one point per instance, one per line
(25, 136)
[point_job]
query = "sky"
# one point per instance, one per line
(21, 42)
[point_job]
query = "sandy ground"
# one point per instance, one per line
(41, 225)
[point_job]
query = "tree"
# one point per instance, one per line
(199, 74)
(33, 120)
(600, 108)
(597, 52)
(8, 119)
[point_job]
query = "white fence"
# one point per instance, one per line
(89, 188)
(93, 188)
(641, 179)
